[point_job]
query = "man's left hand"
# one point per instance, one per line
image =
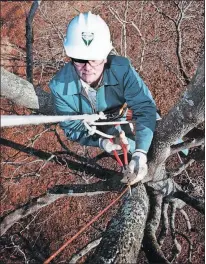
(137, 168)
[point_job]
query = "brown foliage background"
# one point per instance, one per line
(145, 32)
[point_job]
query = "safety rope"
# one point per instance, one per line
(84, 227)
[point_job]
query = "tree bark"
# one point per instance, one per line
(183, 117)
(122, 239)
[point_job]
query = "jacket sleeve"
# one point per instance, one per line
(74, 130)
(140, 101)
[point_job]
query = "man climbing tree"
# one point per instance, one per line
(43, 170)
(95, 81)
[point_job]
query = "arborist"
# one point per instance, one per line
(95, 81)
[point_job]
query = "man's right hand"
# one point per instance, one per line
(108, 146)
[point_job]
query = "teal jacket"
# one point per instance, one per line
(121, 83)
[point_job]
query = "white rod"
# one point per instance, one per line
(18, 120)
(108, 123)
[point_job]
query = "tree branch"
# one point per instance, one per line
(186, 145)
(23, 93)
(165, 224)
(29, 208)
(122, 239)
(85, 250)
(182, 168)
(185, 115)
(29, 40)
(99, 172)
(196, 203)
(151, 247)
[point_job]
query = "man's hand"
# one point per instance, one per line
(137, 168)
(108, 146)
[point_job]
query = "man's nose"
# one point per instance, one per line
(88, 67)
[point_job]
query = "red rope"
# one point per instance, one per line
(84, 227)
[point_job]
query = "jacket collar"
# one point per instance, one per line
(109, 77)
(72, 83)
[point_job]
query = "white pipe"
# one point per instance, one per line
(108, 123)
(17, 120)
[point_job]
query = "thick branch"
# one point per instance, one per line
(196, 203)
(151, 247)
(187, 114)
(187, 144)
(21, 92)
(56, 193)
(123, 237)
(189, 111)
(26, 210)
(165, 224)
(85, 250)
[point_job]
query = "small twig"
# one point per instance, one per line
(181, 168)
(26, 261)
(49, 159)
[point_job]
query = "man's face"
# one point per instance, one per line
(89, 71)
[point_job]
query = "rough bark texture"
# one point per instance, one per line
(150, 245)
(22, 92)
(184, 116)
(123, 237)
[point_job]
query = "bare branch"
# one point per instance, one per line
(185, 215)
(13, 217)
(162, 13)
(85, 250)
(29, 40)
(177, 24)
(177, 247)
(186, 145)
(196, 203)
(38, 203)
(190, 246)
(122, 239)
(182, 168)
(165, 224)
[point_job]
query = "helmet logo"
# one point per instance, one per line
(87, 37)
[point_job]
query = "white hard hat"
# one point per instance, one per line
(88, 38)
